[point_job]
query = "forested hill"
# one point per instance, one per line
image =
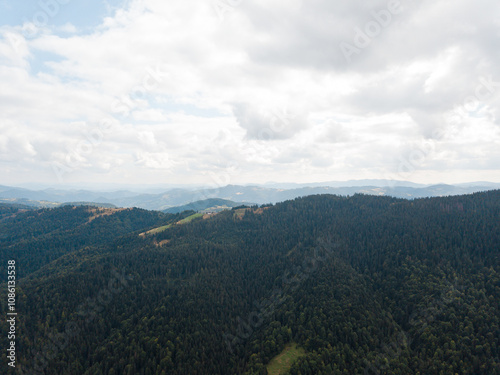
(362, 284)
(37, 237)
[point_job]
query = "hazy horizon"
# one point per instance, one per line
(158, 188)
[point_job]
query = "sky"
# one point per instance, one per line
(224, 92)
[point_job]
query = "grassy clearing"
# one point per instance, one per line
(240, 212)
(156, 230)
(165, 227)
(98, 212)
(280, 364)
(159, 229)
(189, 218)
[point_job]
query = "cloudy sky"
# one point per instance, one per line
(241, 91)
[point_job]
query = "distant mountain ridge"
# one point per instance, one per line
(259, 194)
(35, 204)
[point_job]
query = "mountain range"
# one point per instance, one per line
(257, 194)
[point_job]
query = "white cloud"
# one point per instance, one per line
(265, 93)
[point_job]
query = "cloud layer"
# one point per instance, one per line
(251, 91)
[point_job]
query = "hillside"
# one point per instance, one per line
(36, 238)
(11, 210)
(356, 285)
(206, 205)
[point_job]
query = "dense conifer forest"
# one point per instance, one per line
(362, 284)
